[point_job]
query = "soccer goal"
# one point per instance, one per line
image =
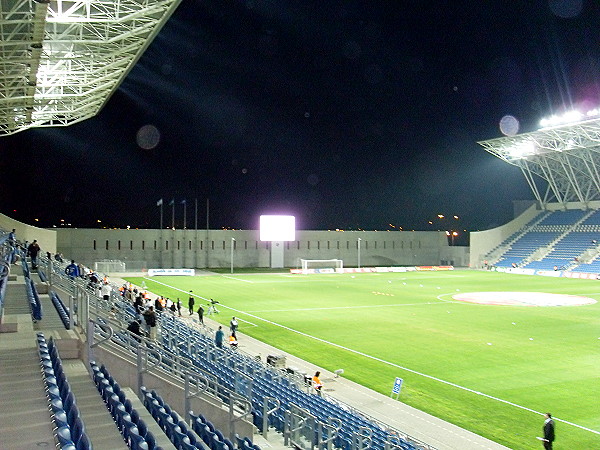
(322, 264)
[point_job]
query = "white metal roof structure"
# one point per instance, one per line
(61, 60)
(566, 157)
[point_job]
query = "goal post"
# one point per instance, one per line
(322, 264)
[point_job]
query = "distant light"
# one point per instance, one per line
(99, 221)
(455, 233)
(456, 217)
(62, 220)
(441, 216)
(447, 233)
(277, 228)
(37, 220)
(128, 227)
(430, 222)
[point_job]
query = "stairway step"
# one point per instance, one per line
(24, 417)
(99, 424)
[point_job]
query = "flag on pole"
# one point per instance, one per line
(160, 202)
(172, 202)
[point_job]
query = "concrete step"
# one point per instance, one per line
(274, 440)
(15, 299)
(99, 424)
(25, 421)
(161, 437)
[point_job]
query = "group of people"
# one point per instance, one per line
(220, 334)
(212, 307)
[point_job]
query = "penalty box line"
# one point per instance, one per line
(347, 307)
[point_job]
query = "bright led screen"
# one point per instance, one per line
(277, 228)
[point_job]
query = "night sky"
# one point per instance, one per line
(347, 114)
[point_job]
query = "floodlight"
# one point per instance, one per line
(521, 149)
(277, 228)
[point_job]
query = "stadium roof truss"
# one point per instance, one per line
(566, 157)
(60, 61)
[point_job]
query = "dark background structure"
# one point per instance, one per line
(346, 114)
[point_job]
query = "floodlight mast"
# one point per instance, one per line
(63, 60)
(566, 157)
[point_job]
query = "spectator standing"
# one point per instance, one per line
(201, 314)
(233, 325)
(150, 317)
(179, 306)
(105, 290)
(219, 335)
(32, 251)
(191, 302)
(72, 270)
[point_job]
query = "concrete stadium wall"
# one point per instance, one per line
(484, 241)
(24, 232)
(212, 248)
(481, 242)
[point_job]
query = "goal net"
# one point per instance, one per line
(322, 264)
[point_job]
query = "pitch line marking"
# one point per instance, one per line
(237, 279)
(176, 289)
(413, 371)
(374, 358)
(345, 307)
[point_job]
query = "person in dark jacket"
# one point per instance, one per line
(548, 431)
(32, 251)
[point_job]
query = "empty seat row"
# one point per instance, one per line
(174, 426)
(69, 429)
(183, 340)
(35, 304)
(131, 426)
(61, 309)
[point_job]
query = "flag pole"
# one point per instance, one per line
(161, 215)
(207, 216)
(173, 214)
(184, 214)
(196, 232)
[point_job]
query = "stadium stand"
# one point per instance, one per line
(268, 398)
(70, 430)
(560, 240)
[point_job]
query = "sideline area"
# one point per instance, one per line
(436, 432)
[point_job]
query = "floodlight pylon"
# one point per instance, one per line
(61, 60)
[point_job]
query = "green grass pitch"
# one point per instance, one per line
(537, 358)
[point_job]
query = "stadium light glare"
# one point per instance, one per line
(277, 228)
(571, 116)
(521, 149)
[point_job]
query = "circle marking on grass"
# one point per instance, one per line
(523, 299)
